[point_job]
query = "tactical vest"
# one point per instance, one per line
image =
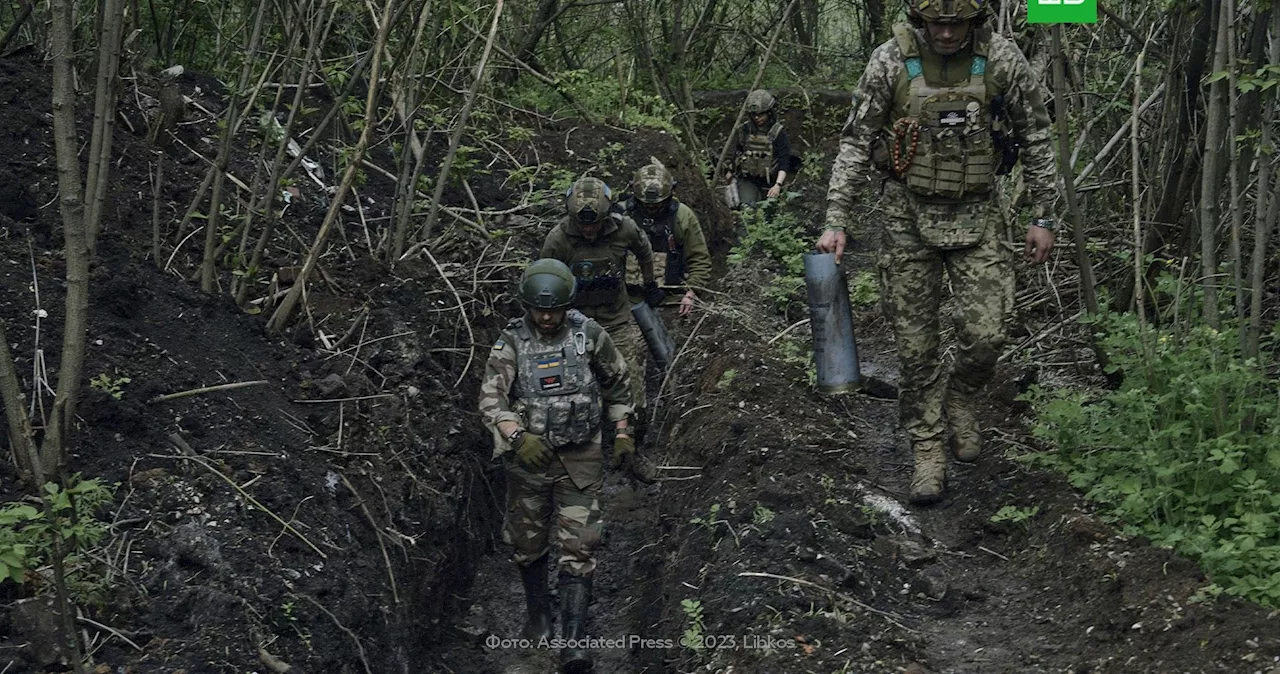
(756, 159)
(668, 249)
(942, 133)
(600, 280)
(556, 393)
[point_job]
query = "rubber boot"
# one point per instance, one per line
(966, 439)
(930, 477)
(575, 595)
(538, 599)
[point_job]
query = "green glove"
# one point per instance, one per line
(532, 452)
(623, 449)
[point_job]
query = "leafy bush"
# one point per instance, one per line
(27, 536)
(1186, 451)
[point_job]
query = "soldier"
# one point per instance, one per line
(680, 256)
(594, 241)
(541, 397)
(762, 155)
(930, 127)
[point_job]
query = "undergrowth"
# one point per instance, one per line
(1185, 452)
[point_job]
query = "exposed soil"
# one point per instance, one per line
(807, 564)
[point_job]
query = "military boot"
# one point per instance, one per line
(931, 473)
(538, 599)
(575, 595)
(965, 436)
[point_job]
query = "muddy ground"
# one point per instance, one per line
(779, 512)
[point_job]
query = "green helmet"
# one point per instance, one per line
(946, 11)
(652, 184)
(547, 284)
(588, 200)
(759, 101)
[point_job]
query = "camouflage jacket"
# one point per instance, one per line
(606, 362)
(854, 173)
(680, 254)
(600, 265)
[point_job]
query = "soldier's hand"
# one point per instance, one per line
(653, 295)
(532, 452)
(1039, 244)
(686, 303)
(833, 241)
(624, 447)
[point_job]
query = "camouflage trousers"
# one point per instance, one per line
(565, 496)
(923, 246)
(630, 342)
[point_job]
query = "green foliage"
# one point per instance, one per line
(774, 234)
(727, 378)
(1015, 515)
(762, 515)
(1186, 451)
(27, 536)
(866, 290)
(112, 386)
(709, 522)
(600, 95)
(695, 625)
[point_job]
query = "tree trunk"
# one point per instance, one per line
(1087, 283)
(103, 119)
(1265, 214)
(1215, 131)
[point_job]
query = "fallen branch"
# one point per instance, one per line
(395, 594)
(112, 630)
(289, 527)
(345, 400)
(359, 647)
(208, 389)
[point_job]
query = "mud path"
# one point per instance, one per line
(794, 539)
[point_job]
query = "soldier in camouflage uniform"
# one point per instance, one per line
(680, 257)
(595, 241)
(762, 154)
(935, 118)
(541, 396)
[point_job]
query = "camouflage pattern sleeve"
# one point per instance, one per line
(639, 245)
(495, 388)
(612, 371)
(1024, 101)
(697, 258)
(853, 171)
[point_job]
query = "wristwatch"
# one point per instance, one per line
(1046, 223)
(515, 435)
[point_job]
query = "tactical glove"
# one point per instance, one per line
(532, 452)
(653, 295)
(624, 448)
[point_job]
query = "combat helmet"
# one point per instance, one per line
(652, 184)
(946, 11)
(588, 200)
(547, 284)
(759, 101)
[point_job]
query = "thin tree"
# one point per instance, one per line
(434, 213)
(1216, 129)
(283, 313)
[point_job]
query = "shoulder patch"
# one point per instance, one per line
(499, 345)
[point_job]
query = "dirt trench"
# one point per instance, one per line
(778, 516)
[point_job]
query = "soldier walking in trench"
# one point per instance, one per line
(681, 260)
(594, 241)
(936, 116)
(541, 396)
(762, 154)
